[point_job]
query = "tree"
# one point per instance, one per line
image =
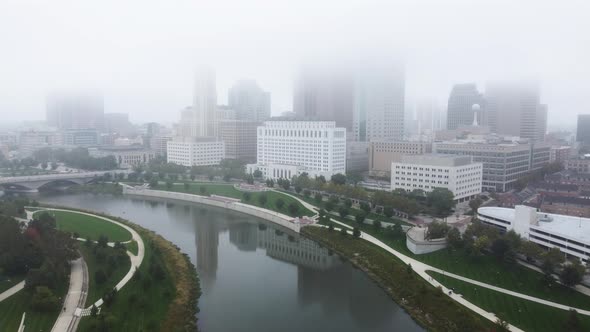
(354, 177)
(356, 233)
(103, 241)
(262, 199)
(442, 201)
(249, 179)
(397, 229)
(318, 198)
(531, 250)
(554, 257)
(348, 203)
(437, 230)
(247, 196)
(154, 183)
(338, 179)
(343, 231)
(257, 174)
(572, 274)
(93, 311)
(169, 184)
(475, 203)
(359, 217)
(388, 211)
(203, 190)
(454, 238)
(481, 243)
(573, 322)
(377, 224)
(330, 226)
(286, 184)
(365, 207)
(280, 203)
(298, 189)
(343, 211)
(43, 165)
(500, 247)
(186, 186)
(306, 193)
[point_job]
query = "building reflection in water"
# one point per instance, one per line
(323, 279)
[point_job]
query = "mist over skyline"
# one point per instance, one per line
(142, 56)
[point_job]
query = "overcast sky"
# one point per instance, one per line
(141, 54)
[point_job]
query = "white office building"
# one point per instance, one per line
(459, 174)
(289, 148)
(570, 234)
(195, 151)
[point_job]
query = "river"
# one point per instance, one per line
(255, 277)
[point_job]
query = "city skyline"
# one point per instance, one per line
(147, 72)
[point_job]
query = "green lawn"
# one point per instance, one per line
(114, 273)
(527, 315)
(132, 247)
(8, 281)
(135, 308)
(88, 226)
(228, 190)
(12, 309)
(485, 269)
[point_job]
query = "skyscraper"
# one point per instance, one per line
(379, 94)
(249, 101)
(461, 101)
(204, 112)
(325, 93)
(514, 109)
(583, 132)
(75, 110)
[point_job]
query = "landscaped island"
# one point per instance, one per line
(131, 278)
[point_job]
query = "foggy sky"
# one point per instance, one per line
(141, 54)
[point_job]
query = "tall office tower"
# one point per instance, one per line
(428, 117)
(117, 123)
(204, 111)
(75, 111)
(379, 94)
(325, 94)
(583, 132)
(249, 101)
(461, 101)
(515, 109)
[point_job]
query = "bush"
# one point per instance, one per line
(262, 199)
(356, 233)
(247, 197)
(293, 208)
(280, 203)
(343, 211)
(360, 217)
(44, 300)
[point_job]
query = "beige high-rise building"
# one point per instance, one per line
(514, 109)
(383, 152)
(239, 138)
(204, 110)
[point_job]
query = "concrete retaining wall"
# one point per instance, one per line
(417, 244)
(231, 204)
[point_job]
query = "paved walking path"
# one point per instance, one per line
(12, 290)
(67, 320)
(421, 269)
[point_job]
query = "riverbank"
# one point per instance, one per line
(426, 304)
(171, 306)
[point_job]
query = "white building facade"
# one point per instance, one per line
(289, 148)
(192, 151)
(570, 234)
(125, 156)
(459, 174)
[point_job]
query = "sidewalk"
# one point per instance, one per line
(67, 320)
(12, 290)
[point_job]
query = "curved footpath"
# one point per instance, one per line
(73, 310)
(421, 269)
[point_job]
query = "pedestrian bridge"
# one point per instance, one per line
(33, 183)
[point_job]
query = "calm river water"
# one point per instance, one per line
(258, 278)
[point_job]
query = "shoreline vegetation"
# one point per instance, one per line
(180, 313)
(426, 305)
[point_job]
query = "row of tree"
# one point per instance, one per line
(75, 158)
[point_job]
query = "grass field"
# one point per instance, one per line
(229, 191)
(485, 269)
(136, 308)
(7, 282)
(12, 309)
(88, 226)
(527, 315)
(114, 274)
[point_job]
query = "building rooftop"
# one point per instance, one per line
(558, 224)
(437, 159)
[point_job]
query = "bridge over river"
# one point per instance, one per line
(33, 183)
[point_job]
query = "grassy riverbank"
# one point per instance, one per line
(527, 315)
(426, 304)
(162, 296)
(228, 190)
(485, 268)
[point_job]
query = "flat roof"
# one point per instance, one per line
(568, 226)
